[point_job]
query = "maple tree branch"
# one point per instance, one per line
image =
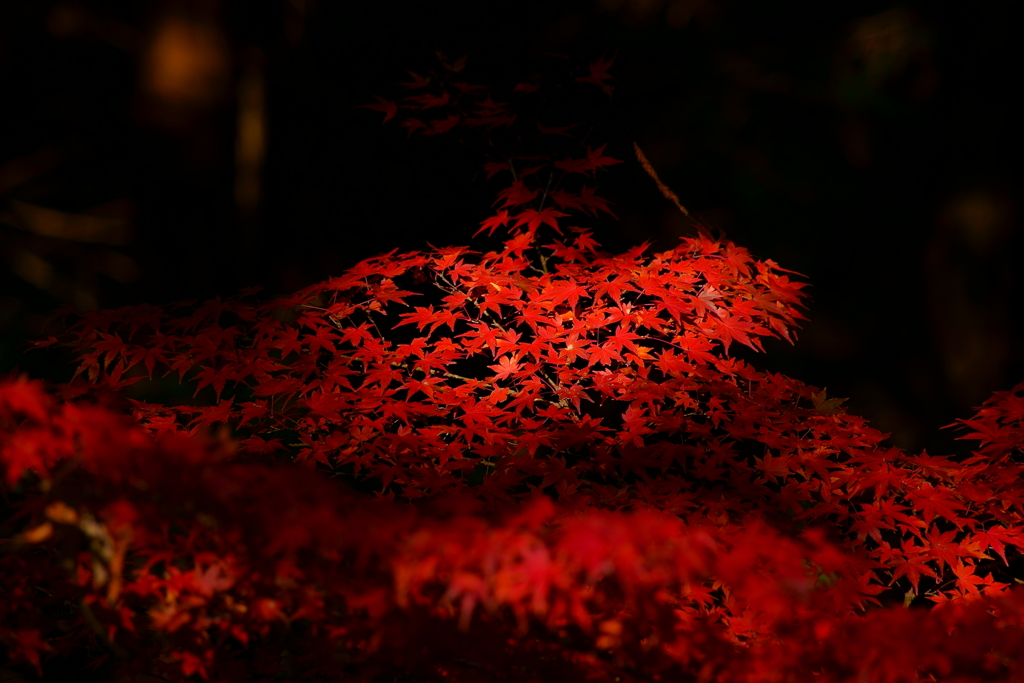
(544, 194)
(512, 169)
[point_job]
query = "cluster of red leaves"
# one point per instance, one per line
(180, 554)
(691, 488)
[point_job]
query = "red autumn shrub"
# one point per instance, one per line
(527, 461)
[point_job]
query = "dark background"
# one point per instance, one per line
(158, 151)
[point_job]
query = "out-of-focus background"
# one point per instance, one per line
(159, 150)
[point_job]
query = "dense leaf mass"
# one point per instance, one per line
(622, 361)
(572, 471)
(175, 554)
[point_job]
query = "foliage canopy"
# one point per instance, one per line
(527, 460)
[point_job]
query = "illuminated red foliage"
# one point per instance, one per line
(529, 461)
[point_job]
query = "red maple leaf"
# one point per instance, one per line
(599, 74)
(388, 107)
(533, 219)
(592, 162)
